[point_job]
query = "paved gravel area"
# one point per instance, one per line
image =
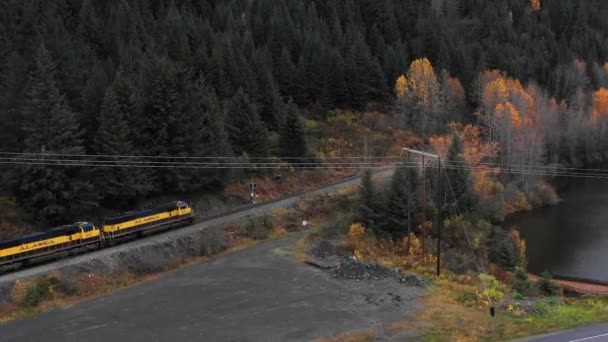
(258, 294)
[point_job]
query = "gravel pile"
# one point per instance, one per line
(352, 269)
(347, 267)
(355, 270)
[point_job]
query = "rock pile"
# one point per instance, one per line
(340, 265)
(355, 270)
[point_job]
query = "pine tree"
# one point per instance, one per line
(292, 141)
(209, 137)
(245, 129)
(118, 186)
(459, 177)
(546, 284)
(286, 73)
(12, 81)
(402, 202)
(54, 194)
(368, 202)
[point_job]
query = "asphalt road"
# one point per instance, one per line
(593, 333)
(257, 294)
(218, 219)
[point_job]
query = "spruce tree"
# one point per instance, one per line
(402, 202)
(286, 73)
(245, 128)
(459, 177)
(118, 186)
(292, 141)
(12, 81)
(368, 202)
(209, 137)
(53, 194)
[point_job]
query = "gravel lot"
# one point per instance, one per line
(258, 294)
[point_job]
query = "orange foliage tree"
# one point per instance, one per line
(535, 5)
(509, 112)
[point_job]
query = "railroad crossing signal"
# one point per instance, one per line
(253, 187)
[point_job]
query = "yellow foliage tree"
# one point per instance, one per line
(424, 86)
(422, 81)
(401, 92)
(401, 87)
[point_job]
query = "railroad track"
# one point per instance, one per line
(202, 223)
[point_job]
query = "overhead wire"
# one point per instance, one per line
(357, 162)
(298, 160)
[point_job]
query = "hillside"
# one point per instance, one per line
(231, 80)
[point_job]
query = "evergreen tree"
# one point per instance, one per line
(209, 137)
(286, 73)
(459, 177)
(521, 283)
(402, 202)
(368, 202)
(53, 194)
(118, 186)
(12, 81)
(246, 131)
(547, 286)
(292, 141)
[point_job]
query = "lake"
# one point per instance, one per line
(569, 239)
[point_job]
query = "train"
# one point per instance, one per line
(81, 237)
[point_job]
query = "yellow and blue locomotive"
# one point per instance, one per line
(83, 236)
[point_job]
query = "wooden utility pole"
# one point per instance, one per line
(438, 221)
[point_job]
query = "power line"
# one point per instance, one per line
(183, 157)
(236, 164)
(225, 159)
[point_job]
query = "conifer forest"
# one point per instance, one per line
(512, 82)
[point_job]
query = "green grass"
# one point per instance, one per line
(555, 314)
(454, 315)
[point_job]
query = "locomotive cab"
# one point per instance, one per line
(183, 209)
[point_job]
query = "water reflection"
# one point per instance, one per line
(571, 238)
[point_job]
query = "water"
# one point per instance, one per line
(569, 239)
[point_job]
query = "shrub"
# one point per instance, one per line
(490, 289)
(520, 281)
(544, 305)
(466, 298)
(40, 290)
(546, 284)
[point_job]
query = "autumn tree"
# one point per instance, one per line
(401, 92)
(535, 5)
(423, 87)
